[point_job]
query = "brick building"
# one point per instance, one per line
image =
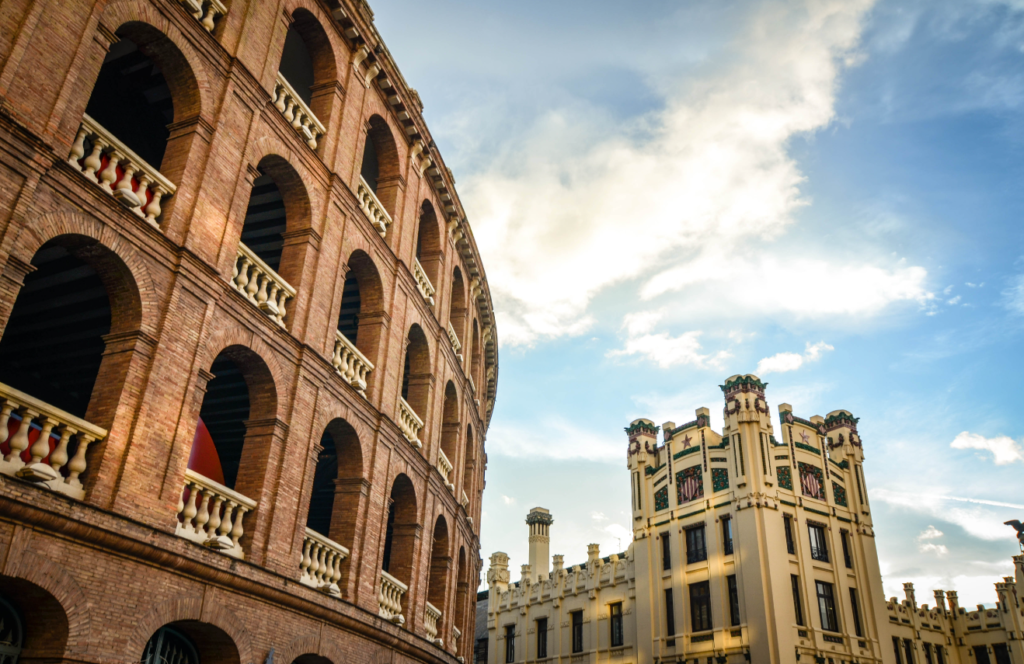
(247, 347)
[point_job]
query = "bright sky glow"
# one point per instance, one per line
(825, 192)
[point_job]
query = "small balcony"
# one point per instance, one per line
(297, 113)
(321, 563)
(389, 598)
(456, 345)
(261, 285)
(410, 423)
(444, 466)
(351, 365)
(432, 616)
(422, 282)
(116, 169)
(47, 445)
(372, 208)
(211, 514)
(205, 11)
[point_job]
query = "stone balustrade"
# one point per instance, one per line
(46, 438)
(465, 501)
(422, 282)
(321, 563)
(444, 466)
(351, 365)
(297, 113)
(409, 422)
(456, 344)
(390, 598)
(261, 285)
(456, 633)
(211, 514)
(206, 11)
(432, 616)
(100, 157)
(372, 207)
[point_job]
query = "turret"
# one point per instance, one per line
(497, 574)
(539, 520)
(643, 447)
(748, 428)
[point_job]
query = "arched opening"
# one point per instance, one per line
(468, 471)
(462, 597)
(380, 168)
(33, 625)
(450, 430)
(416, 372)
(278, 204)
(440, 564)
(52, 349)
(310, 658)
(360, 322)
(457, 309)
(308, 66)
(337, 484)
(428, 243)
(477, 361)
(400, 532)
(190, 642)
(144, 85)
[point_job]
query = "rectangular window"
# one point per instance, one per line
(764, 462)
(788, 523)
(666, 551)
(908, 649)
(670, 614)
(696, 545)
(615, 624)
(636, 483)
(700, 606)
(577, 631)
(819, 545)
(510, 643)
(928, 653)
(940, 657)
(845, 537)
(855, 607)
(727, 536)
(739, 447)
(734, 601)
(827, 607)
(896, 648)
(1002, 652)
(980, 655)
(797, 605)
(542, 638)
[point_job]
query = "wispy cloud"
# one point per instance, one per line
(662, 348)
(783, 362)
(555, 438)
(1005, 450)
(981, 518)
(925, 545)
(1013, 295)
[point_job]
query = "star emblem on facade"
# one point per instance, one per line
(686, 442)
(804, 437)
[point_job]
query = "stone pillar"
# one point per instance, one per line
(539, 520)
(908, 590)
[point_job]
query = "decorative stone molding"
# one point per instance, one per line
(409, 422)
(422, 282)
(373, 208)
(351, 365)
(261, 285)
(205, 11)
(321, 562)
(297, 113)
(212, 514)
(389, 598)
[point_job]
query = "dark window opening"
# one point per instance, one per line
(55, 357)
(696, 545)
(348, 318)
(700, 606)
(510, 643)
(797, 604)
(819, 544)
(855, 608)
(670, 614)
(131, 100)
(577, 631)
(615, 624)
(908, 649)
(168, 645)
(405, 376)
(225, 411)
(827, 607)
(1002, 652)
(928, 653)
(727, 536)
(321, 504)
(297, 65)
(370, 169)
(788, 525)
(265, 222)
(980, 654)
(389, 538)
(666, 552)
(896, 648)
(542, 638)
(845, 536)
(734, 601)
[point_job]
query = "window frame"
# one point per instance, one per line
(844, 535)
(670, 614)
(510, 643)
(797, 603)
(734, 600)
(696, 551)
(542, 638)
(700, 606)
(787, 521)
(576, 618)
(818, 542)
(666, 552)
(727, 541)
(827, 606)
(615, 636)
(855, 609)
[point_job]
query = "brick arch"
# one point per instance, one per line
(323, 418)
(120, 13)
(190, 609)
(235, 335)
(43, 573)
(301, 645)
(327, 65)
(56, 224)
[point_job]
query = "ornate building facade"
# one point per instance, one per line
(746, 547)
(247, 347)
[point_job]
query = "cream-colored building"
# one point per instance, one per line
(746, 547)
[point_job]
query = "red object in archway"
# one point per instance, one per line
(204, 458)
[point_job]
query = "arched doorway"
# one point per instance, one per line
(437, 581)
(360, 320)
(52, 355)
(469, 472)
(461, 601)
(168, 646)
(34, 626)
(190, 642)
(380, 174)
(400, 535)
(428, 249)
(12, 633)
(457, 313)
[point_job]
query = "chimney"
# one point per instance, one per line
(539, 520)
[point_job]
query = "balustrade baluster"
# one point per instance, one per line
(19, 441)
(208, 18)
(242, 275)
(306, 561)
(215, 519)
(77, 465)
(94, 161)
(270, 304)
(204, 512)
(78, 149)
(109, 174)
(190, 510)
(237, 531)
(5, 417)
(227, 523)
(254, 285)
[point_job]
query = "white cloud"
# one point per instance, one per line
(580, 200)
(926, 546)
(661, 348)
(980, 518)
(953, 300)
(598, 516)
(1005, 450)
(555, 438)
(1013, 295)
(783, 362)
(931, 532)
(508, 500)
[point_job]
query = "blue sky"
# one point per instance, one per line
(667, 193)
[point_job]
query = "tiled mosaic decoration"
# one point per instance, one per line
(812, 481)
(839, 493)
(785, 477)
(690, 484)
(661, 499)
(719, 479)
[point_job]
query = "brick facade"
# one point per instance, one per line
(94, 578)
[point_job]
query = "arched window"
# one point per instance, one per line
(190, 642)
(124, 144)
(462, 596)
(380, 181)
(449, 454)
(428, 247)
(34, 626)
(415, 383)
(457, 310)
(227, 451)
(52, 349)
(359, 323)
(302, 92)
(399, 543)
(469, 471)
(477, 362)
(437, 582)
(11, 633)
(167, 646)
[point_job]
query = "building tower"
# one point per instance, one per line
(539, 520)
